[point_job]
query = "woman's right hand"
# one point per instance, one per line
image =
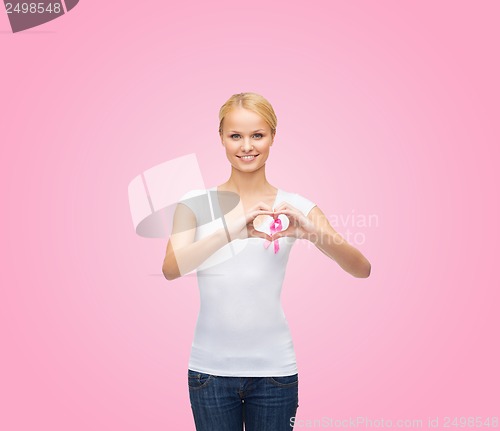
(240, 224)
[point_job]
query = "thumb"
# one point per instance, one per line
(275, 236)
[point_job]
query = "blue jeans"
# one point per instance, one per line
(221, 403)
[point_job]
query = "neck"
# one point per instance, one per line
(247, 183)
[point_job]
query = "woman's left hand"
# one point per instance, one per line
(299, 227)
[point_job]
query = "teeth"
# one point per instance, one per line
(247, 157)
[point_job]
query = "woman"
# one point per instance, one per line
(242, 367)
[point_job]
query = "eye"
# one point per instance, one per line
(259, 135)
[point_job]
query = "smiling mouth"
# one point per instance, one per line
(250, 155)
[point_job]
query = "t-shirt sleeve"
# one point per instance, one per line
(303, 204)
(192, 200)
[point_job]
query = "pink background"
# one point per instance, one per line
(385, 108)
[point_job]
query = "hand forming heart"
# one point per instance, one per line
(287, 221)
(271, 225)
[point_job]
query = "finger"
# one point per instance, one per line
(285, 206)
(280, 209)
(256, 233)
(276, 237)
(285, 211)
(256, 213)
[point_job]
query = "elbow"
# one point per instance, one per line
(367, 271)
(364, 271)
(170, 276)
(168, 273)
(363, 268)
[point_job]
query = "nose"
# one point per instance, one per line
(246, 146)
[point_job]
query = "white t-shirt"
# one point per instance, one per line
(241, 328)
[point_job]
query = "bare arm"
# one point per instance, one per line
(183, 253)
(333, 245)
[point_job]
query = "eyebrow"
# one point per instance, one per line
(252, 132)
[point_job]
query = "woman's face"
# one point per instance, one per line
(246, 133)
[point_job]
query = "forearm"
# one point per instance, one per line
(337, 248)
(182, 261)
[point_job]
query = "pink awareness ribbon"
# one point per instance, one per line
(275, 227)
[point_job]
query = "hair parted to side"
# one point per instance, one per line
(253, 102)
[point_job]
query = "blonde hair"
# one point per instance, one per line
(253, 102)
